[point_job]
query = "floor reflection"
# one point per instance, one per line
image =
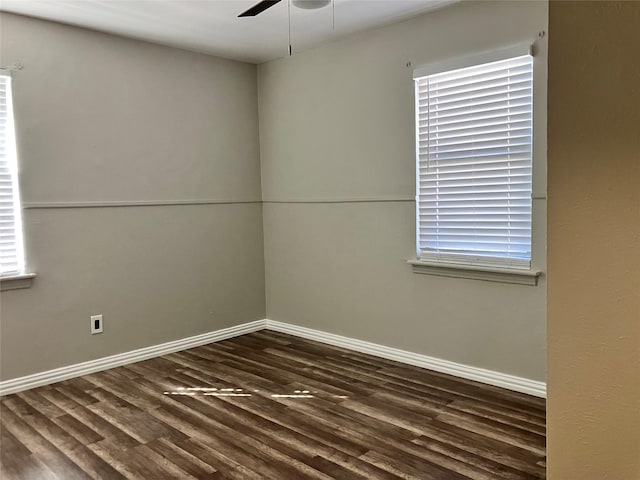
(241, 392)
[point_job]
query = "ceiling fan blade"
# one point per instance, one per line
(259, 8)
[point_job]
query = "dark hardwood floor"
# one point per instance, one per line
(268, 405)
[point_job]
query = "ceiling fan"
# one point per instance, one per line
(265, 4)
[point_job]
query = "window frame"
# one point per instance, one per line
(467, 265)
(18, 278)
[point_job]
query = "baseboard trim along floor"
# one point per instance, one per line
(510, 382)
(489, 377)
(77, 370)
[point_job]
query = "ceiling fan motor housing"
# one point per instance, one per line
(311, 4)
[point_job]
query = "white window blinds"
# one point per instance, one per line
(11, 250)
(474, 164)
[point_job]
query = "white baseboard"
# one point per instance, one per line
(510, 382)
(64, 373)
(489, 377)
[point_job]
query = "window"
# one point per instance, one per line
(474, 127)
(11, 246)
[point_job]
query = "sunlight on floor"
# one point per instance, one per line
(239, 392)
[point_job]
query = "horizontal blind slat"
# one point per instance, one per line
(479, 84)
(493, 95)
(474, 130)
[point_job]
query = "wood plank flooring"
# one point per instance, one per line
(268, 405)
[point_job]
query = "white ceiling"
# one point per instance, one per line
(213, 26)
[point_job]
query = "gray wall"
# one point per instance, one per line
(338, 173)
(106, 119)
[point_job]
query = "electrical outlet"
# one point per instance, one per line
(96, 324)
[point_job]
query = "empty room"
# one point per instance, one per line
(319, 239)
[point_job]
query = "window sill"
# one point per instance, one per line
(475, 272)
(14, 282)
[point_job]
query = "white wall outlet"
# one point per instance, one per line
(96, 324)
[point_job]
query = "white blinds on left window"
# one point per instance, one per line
(11, 249)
